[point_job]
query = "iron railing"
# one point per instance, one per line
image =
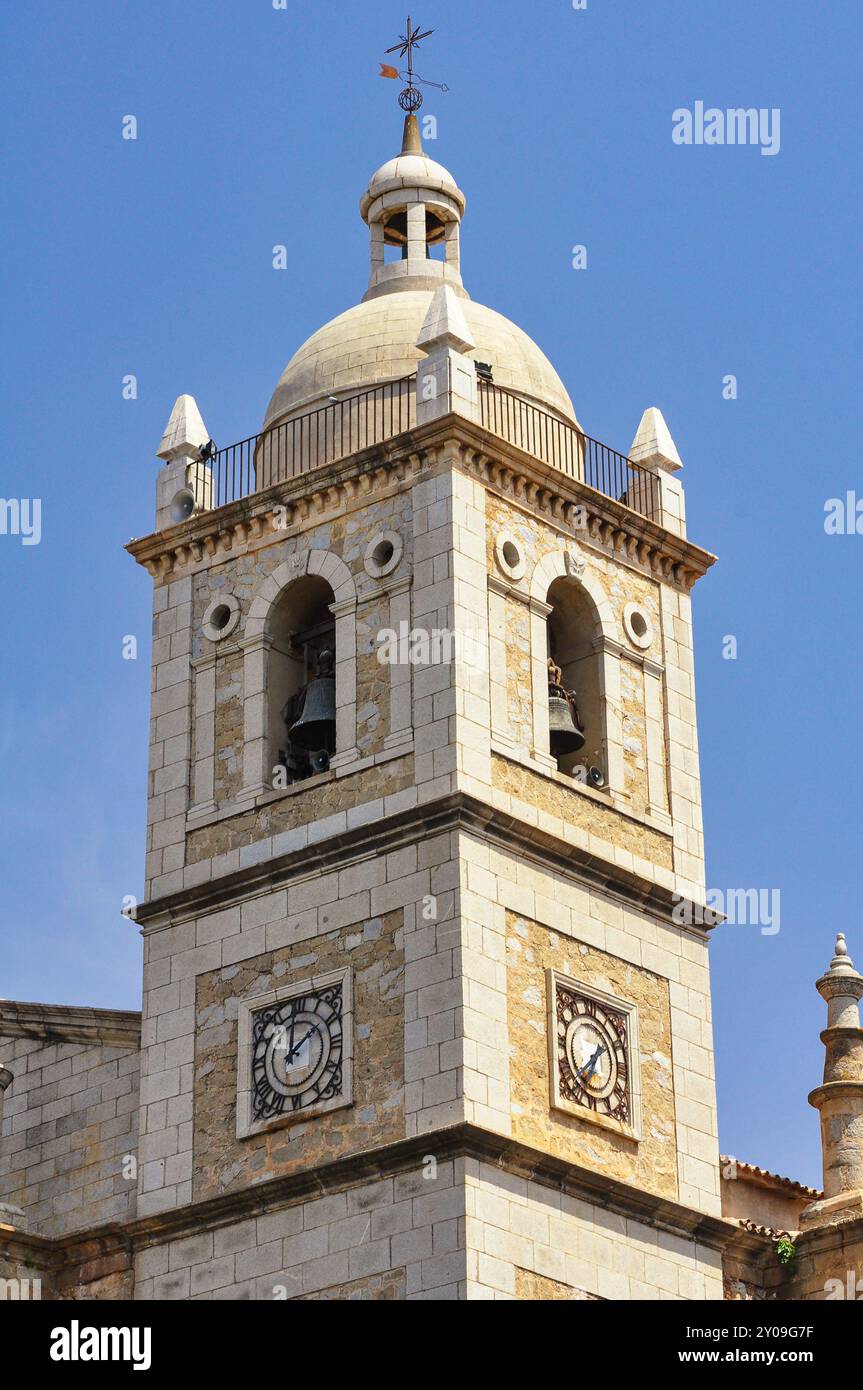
(313, 440)
(554, 441)
(344, 427)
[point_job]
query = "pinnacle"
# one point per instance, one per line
(653, 446)
(185, 431)
(412, 140)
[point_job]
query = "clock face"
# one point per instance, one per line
(592, 1049)
(297, 1047)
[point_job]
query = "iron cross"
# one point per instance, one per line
(406, 45)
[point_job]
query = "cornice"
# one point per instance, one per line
(536, 487)
(462, 1141)
(610, 526)
(455, 812)
(304, 500)
(61, 1023)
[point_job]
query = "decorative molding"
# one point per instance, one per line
(537, 488)
(538, 607)
(505, 1155)
(575, 562)
(209, 659)
(456, 812)
(343, 608)
(62, 1023)
(256, 642)
(506, 589)
(284, 510)
(612, 647)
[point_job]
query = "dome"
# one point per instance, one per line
(376, 342)
(411, 171)
(413, 208)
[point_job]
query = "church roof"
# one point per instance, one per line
(411, 201)
(376, 342)
(767, 1179)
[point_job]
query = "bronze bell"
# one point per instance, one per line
(565, 736)
(315, 730)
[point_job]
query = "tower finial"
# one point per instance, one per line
(411, 99)
(841, 959)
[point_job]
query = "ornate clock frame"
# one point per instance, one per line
(258, 1016)
(628, 1013)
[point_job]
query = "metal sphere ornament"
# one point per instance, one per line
(411, 99)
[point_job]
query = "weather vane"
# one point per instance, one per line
(411, 99)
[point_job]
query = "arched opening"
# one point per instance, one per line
(301, 701)
(397, 235)
(573, 626)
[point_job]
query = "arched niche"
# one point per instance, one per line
(273, 663)
(570, 610)
(572, 630)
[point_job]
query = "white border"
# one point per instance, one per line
(633, 1060)
(245, 1125)
(372, 568)
(629, 612)
(218, 634)
(516, 571)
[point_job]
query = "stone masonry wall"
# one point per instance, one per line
(621, 586)
(520, 1233)
(400, 1237)
(652, 745)
(223, 840)
(828, 1265)
(650, 1163)
(70, 1119)
(374, 951)
(197, 967)
(346, 536)
(667, 963)
(197, 750)
(228, 728)
(578, 809)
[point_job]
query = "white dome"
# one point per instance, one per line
(408, 171)
(376, 342)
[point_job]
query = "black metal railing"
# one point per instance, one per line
(344, 427)
(310, 441)
(554, 441)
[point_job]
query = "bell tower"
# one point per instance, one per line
(423, 1017)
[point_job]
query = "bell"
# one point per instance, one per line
(564, 734)
(315, 729)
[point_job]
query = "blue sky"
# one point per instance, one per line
(153, 257)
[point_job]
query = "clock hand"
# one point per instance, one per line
(294, 1050)
(591, 1065)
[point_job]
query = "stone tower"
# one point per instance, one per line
(426, 998)
(839, 1099)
